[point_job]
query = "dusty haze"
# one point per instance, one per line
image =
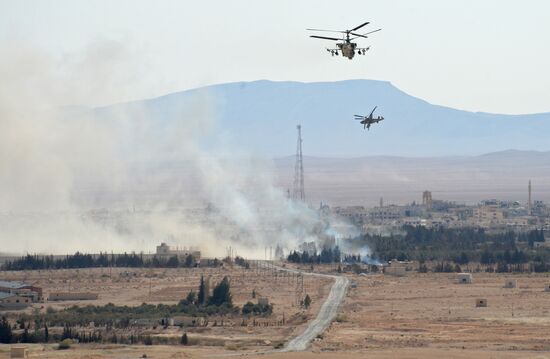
(70, 179)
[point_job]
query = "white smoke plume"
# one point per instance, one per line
(118, 179)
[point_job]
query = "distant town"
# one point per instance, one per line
(489, 214)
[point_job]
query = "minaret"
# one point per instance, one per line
(529, 203)
(381, 202)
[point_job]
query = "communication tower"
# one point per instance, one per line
(298, 190)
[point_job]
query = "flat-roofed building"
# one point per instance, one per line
(486, 215)
(13, 301)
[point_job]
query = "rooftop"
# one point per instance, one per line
(12, 285)
(5, 295)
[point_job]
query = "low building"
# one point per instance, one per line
(481, 302)
(19, 352)
(55, 296)
(511, 283)
(188, 321)
(464, 278)
(10, 301)
(165, 251)
(387, 213)
(398, 268)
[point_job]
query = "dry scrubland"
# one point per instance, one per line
(429, 313)
(168, 286)
(420, 315)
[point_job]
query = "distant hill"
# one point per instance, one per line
(261, 116)
(464, 179)
(351, 181)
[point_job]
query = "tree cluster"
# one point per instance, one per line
(257, 309)
(327, 255)
(459, 246)
(81, 260)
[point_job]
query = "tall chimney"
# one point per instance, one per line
(529, 203)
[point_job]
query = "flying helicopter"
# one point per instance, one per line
(346, 47)
(366, 121)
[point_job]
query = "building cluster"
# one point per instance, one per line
(489, 214)
(18, 295)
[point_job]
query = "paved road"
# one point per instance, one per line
(326, 314)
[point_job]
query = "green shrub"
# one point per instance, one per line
(65, 344)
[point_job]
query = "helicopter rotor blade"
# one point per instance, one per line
(370, 32)
(358, 35)
(343, 32)
(374, 109)
(360, 26)
(325, 38)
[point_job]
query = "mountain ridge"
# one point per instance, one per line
(260, 117)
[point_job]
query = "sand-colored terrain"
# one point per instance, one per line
(416, 316)
(133, 287)
(432, 312)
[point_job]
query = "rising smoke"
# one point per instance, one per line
(122, 179)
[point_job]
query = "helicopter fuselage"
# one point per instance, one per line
(347, 48)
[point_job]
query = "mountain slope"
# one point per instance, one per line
(261, 117)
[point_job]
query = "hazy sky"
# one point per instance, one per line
(479, 55)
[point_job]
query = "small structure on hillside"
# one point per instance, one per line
(128, 274)
(481, 302)
(263, 301)
(547, 288)
(188, 321)
(19, 352)
(464, 278)
(397, 268)
(511, 283)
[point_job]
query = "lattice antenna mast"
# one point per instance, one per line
(298, 190)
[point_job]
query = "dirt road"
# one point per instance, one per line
(326, 314)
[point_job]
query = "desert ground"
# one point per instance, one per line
(132, 287)
(431, 313)
(418, 315)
